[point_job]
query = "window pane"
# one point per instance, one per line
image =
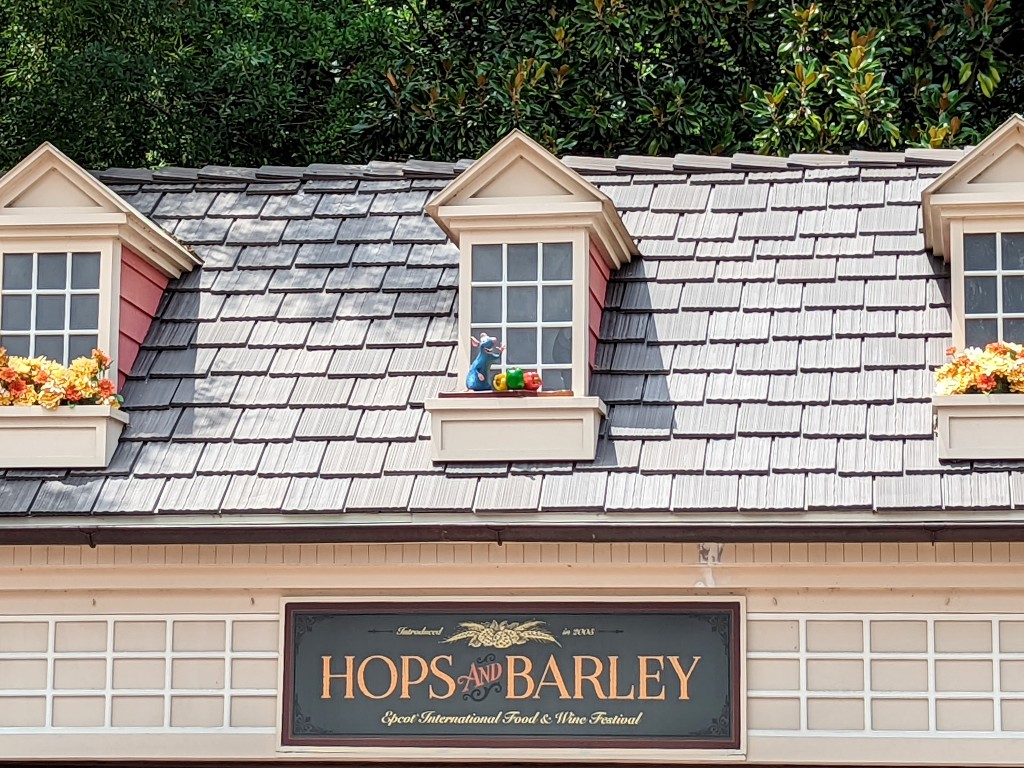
(16, 313)
(980, 295)
(556, 380)
(81, 346)
(486, 264)
(477, 330)
(522, 346)
(556, 346)
(85, 312)
(1013, 250)
(53, 271)
(522, 304)
(50, 313)
(1013, 295)
(522, 262)
(17, 271)
(51, 347)
(979, 252)
(486, 305)
(981, 332)
(558, 261)
(557, 303)
(15, 345)
(85, 270)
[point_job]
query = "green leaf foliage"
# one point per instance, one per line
(249, 82)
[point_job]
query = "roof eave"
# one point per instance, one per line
(922, 526)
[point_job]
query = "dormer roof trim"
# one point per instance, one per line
(48, 189)
(988, 180)
(519, 178)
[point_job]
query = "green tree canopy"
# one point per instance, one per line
(248, 82)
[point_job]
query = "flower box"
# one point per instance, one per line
(64, 438)
(485, 427)
(980, 426)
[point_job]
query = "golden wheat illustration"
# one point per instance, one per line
(502, 634)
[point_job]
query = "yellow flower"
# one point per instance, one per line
(21, 365)
(28, 397)
(1016, 379)
(86, 367)
(50, 396)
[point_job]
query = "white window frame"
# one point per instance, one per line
(998, 273)
(579, 240)
(67, 293)
(110, 280)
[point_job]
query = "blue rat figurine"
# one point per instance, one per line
(479, 377)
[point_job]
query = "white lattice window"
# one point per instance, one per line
(138, 673)
(993, 267)
(50, 303)
(522, 293)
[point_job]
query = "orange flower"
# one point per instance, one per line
(950, 351)
(18, 388)
(102, 358)
(106, 387)
(986, 382)
(8, 375)
(72, 395)
(41, 377)
(997, 348)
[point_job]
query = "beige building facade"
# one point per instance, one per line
(855, 653)
(739, 360)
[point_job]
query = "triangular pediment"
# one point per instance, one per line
(997, 163)
(48, 179)
(1008, 168)
(52, 189)
(989, 177)
(518, 182)
(521, 178)
(516, 167)
(47, 190)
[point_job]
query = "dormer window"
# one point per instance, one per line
(974, 219)
(537, 243)
(80, 269)
(50, 304)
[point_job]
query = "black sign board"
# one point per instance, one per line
(499, 675)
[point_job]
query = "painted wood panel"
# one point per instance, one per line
(563, 553)
(599, 275)
(142, 288)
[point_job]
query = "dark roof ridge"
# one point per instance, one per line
(681, 164)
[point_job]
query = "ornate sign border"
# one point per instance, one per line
(731, 606)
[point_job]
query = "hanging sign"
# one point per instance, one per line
(653, 675)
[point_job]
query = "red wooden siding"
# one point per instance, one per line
(599, 274)
(142, 287)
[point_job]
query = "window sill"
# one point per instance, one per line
(486, 428)
(979, 426)
(65, 438)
